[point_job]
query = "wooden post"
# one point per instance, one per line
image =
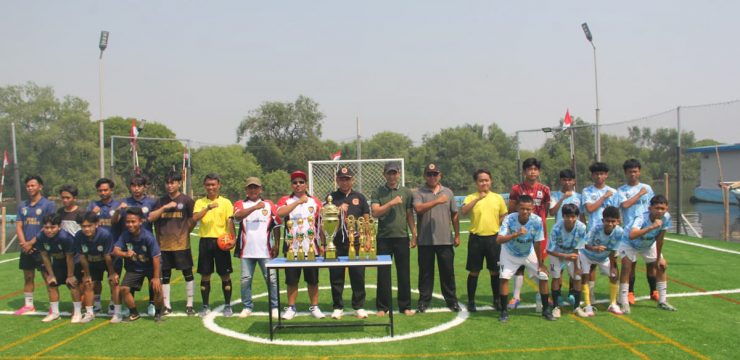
(666, 187)
(3, 237)
(725, 197)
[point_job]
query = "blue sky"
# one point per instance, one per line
(407, 66)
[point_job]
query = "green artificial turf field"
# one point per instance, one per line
(702, 285)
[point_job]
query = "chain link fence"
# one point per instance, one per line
(368, 175)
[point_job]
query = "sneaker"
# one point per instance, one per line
(513, 303)
(203, 312)
(97, 308)
(547, 314)
(503, 316)
(167, 311)
(589, 310)
(158, 318)
(246, 312)
(337, 314)
(471, 307)
(87, 317)
(274, 313)
(116, 319)
(189, 311)
(454, 307)
(24, 309)
(666, 306)
(134, 317)
(111, 309)
(289, 312)
(361, 314)
(316, 312)
(151, 310)
(556, 313)
(76, 317)
(614, 309)
(580, 312)
(626, 309)
(421, 309)
(227, 311)
(631, 298)
(51, 317)
(655, 296)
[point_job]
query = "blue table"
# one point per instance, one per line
(282, 263)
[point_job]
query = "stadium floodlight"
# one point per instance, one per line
(102, 45)
(597, 138)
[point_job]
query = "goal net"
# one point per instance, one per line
(368, 175)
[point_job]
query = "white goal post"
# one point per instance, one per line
(368, 175)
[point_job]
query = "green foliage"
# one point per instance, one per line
(156, 157)
(276, 184)
(284, 135)
(231, 163)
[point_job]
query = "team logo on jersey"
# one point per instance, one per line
(84, 248)
(539, 193)
(594, 197)
(47, 247)
(310, 209)
(59, 246)
(264, 212)
(355, 201)
(24, 211)
(130, 246)
(143, 247)
(111, 212)
(100, 247)
(145, 209)
(38, 211)
(597, 241)
(180, 206)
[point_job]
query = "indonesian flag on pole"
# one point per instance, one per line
(567, 121)
(6, 162)
(134, 131)
(336, 156)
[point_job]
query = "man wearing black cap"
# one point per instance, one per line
(435, 210)
(349, 203)
(392, 205)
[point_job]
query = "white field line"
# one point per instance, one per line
(9, 260)
(703, 246)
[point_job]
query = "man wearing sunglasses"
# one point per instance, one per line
(300, 205)
(435, 210)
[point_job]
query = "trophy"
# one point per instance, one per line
(299, 240)
(311, 235)
(351, 254)
(329, 225)
(372, 233)
(362, 229)
(290, 256)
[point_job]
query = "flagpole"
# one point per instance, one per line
(16, 171)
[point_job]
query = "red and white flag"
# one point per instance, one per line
(336, 156)
(134, 131)
(6, 162)
(567, 121)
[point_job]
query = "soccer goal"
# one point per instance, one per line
(368, 175)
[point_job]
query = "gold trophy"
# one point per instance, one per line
(329, 226)
(290, 256)
(351, 254)
(372, 233)
(299, 240)
(362, 229)
(311, 235)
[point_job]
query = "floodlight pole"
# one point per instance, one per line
(102, 45)
(597, 137)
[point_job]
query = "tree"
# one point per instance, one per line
(231, 163)
(277, 184)
(283, 135)
(49, 134)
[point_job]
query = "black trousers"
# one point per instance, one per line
(356, 279)
(398, 249)
(445, 255)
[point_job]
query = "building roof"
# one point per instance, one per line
(720, 148)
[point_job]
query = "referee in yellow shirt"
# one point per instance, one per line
(486, 210)
(213, 212)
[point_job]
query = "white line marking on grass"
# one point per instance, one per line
(9, 260)
(210, 324)
(703, 246)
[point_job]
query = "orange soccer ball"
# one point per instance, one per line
(226, 242)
